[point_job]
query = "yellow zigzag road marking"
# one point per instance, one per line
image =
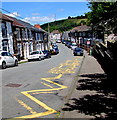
(26, 106)
(70, 65)
(47, 85)
(50, 110)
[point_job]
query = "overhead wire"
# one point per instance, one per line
(14, 14)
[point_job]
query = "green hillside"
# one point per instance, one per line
(65, 24)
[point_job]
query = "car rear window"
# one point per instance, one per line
(33, 53)
(4, 54)
(78, 49)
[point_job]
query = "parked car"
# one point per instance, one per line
(66, 43)
(46, 53)
(63, 41)
(55, 46)
(69, 44)
(78, 51)
(58, 41)
(36, 55)
(54, 51)
(73, 46)
(7, 59)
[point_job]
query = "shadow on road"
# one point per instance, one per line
(102, 104)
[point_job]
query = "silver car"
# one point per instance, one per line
(7, 59)
(36, 55)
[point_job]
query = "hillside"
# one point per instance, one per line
(64, 25)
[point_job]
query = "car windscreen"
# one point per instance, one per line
(78, 49)
(45, 51)
(74, 44)
(35, 52)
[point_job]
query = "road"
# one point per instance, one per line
(39, 88)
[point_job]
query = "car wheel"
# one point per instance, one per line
(29, 60)
(3, 65)
(39, 58)
(16, 63)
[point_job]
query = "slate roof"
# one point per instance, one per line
(8, 18)
(20, 23)
(81, 28)
(55, 32)
(3, 17)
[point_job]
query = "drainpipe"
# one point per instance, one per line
(22, 43)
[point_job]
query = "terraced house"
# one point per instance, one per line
(22, 37)
(6, 38)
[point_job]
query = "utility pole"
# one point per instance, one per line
(55, 17)
(48, 36)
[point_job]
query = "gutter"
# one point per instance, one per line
(71, 89)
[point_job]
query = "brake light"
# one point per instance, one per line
(0, 58)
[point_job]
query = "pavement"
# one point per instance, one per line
(75, 106)
(23, 61)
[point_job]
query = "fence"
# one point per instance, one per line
(107, 57)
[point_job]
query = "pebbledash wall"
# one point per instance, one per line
(6, 42)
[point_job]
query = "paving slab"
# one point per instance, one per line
(90, 66)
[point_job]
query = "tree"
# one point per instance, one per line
(103, 13)
(69, 17)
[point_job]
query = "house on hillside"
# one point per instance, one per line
(6, 38)
(81, 34)
(86, 35)
(65, 35)
(55, 35)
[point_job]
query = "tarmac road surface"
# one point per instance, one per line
(38, 89)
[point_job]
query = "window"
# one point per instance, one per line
(4, 53)
(5, 45)
(9, 54)
(18, 34)
(4, 29)
(35, 52)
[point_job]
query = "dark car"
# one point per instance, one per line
(63, 41)
(55, 46)
(54, 51)
(66, 43)
(69, 44)
(46, 53)
(78, 51)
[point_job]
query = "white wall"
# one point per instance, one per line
(10, 38)
(0, 37)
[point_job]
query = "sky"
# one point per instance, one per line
(43, 12)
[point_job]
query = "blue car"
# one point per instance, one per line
(46, 53)
(54, 51)
(78, 51)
